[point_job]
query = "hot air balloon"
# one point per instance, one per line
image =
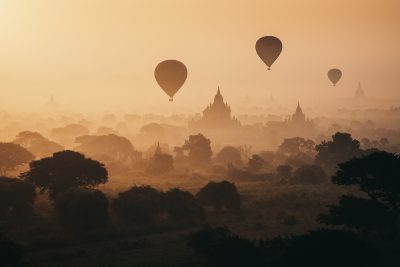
(170, 75)
(268, 49)
(334, 75)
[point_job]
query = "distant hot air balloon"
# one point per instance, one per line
(170, 75)
(334, 75)
(268, 49)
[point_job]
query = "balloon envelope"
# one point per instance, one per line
(334, 75)
(170, 75)
(268, 49)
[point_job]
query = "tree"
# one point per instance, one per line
(299, 159)
(118, 147)
(13, 156)
(221, 247)
(330, 248)
(376, 174)
(182, 206)
(340, 149)
(139, 204)
(256, 163)
(309, 174)
(65, 170)
(37, 144)
(82, 209)
(295, 145)
(219, 195)
(359, 213)
(199, 148)
(229, 155)
(284, 172)
(17, 198)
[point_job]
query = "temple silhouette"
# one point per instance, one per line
(359, 94)
(216, 116)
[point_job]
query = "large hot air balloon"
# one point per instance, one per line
(268, 49)
(170, 75)
(334, 75)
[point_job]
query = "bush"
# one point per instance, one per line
(140, 204)
(219, 195)
(181, 205)
(82, 209)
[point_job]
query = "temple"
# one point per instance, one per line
(217, 115)
(359, 94)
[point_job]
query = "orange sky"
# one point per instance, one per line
(93, 54)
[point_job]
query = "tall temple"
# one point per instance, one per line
(217, 115)
(359, 94)
(295, 125)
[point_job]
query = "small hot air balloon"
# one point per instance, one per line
(268, 49)
(170, 75)
(334, 75)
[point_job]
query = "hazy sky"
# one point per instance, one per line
(101, 54)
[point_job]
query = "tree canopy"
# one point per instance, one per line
(13, 156)
(65, 170)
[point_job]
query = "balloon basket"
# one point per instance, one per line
(171, 99)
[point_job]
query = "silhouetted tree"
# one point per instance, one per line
(37, 144)
(65, 170)
(82, 209)
(219, 195)
(376, 174)
(13, 156)
(284, 172)
(340, 149)
(117, 147)
(11, 254)
(330, 248)
(256, 163)
(359, 213)
(221, 247)
(16, 198)
(229, 155)
(199, 149)
(308, 174)
(182, 206)
(140, 204)
(295, 145)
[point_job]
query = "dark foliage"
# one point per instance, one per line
(377, 174)
(65, 170)
(16, 198)
(11, 254)
(140, 204)
(199, 148)
(330, 248)
(295, 145)
(182, 206)
(82, 209)
(219, 195)
(360, 214)
(221, 247)
(342, 148)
